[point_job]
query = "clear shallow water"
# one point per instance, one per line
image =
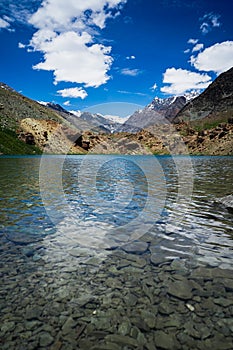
(101, 201)
(70, 278)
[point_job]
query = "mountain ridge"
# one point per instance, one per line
(157, 112)
(51, 128)
(215, 102)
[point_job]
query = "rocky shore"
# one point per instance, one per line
(134, 298)
(181, 138)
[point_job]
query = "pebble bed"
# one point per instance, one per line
(133, 298)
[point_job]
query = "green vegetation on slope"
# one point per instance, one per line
(212, 121)
(15, 107)
(10, 144)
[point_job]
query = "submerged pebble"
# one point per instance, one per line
(134, 299)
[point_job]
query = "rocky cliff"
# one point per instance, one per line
(203, 126)
(160, 110)
(213, 106)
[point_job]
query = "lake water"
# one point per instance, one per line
(92, 245)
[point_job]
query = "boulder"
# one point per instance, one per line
(227, 201)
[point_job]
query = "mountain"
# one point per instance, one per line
(86, 120)
(213, 106)
(157, 112)
(107, 123)
(116, 119)
(28, 127)
(75, 119)
(97, 120)
(15, 107)
(204, 123)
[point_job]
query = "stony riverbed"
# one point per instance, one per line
(134, 298)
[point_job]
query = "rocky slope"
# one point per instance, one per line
(50, 136)
(97, 120)
(213, 106)
(15, 107)
(157, 112)
(82, 120)
(28, 127)
(52, 129)
(164, 139)
(86, 120)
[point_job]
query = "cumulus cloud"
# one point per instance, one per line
(76, 92)
(71, 59)
(4, 24)
(21, 46)
(130, 72)
(66, 36)
(193, 41)
(205, 28)
(131, 57)
(154, 87)
(209, 21)
(18, 12)
(67, 103)
(182, 80)
(217, 58)
(198, 47)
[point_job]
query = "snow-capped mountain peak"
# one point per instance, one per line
(191, 95)
(116, 119)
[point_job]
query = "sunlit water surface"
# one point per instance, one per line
(101, 202)
(114, 252)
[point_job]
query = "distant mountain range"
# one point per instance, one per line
(157, 112)
(27, 122)
(86, 120)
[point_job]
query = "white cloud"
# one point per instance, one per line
(192, 41)
(131, 57)
(66, 36)
(59, 15)
(73, 93)
(4, 24)
(73, 58)
(131, 93)
(215, 21)
(205, 28)
(209, 21)
(187, 51)
(21, 46)
(182, 80)
(217, 58)
(154, 87)
(130, 72)
(198, 47)
(67, 103)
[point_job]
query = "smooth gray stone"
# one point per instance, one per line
(164, 340)
(69, 325)
(136, 247)
(157, 259)
(8, 327)
(122, 340)
(124, 327)
(46, 339)
(227, 201)
(33, 313)
(180, 289)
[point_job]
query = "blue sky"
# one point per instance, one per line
(115, 53)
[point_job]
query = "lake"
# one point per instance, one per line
(116, 252)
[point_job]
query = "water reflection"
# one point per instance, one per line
(118, 196)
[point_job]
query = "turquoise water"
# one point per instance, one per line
(117, 196)
(114, 252)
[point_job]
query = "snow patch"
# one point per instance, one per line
(76, 113)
